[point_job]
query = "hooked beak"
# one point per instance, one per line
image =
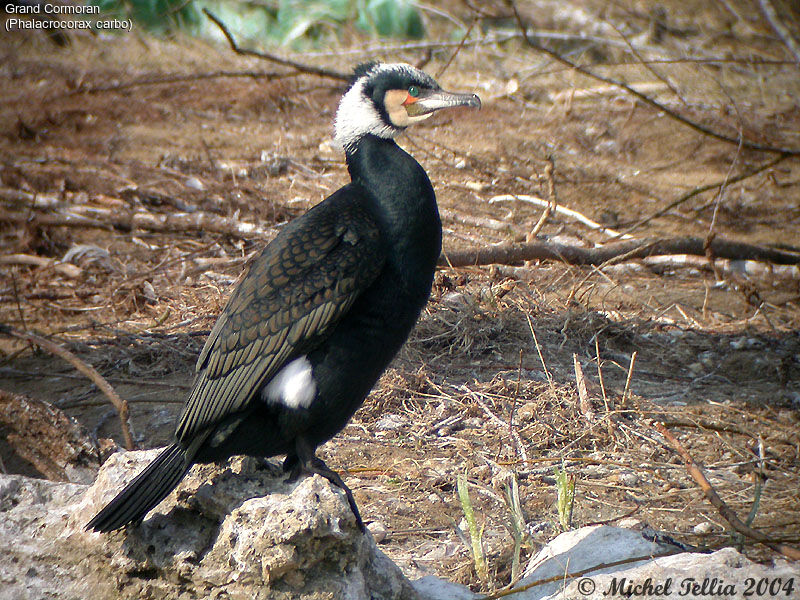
(435, 100)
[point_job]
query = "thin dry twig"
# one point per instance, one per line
(566, 575)
(523, 454)
(698, 127)
(119, 403)
(551, 205)
(552, 200)
(711, 495)
(541, 356)
(779, 26)
(171, 78)
(446, 65)
(584, 402)
(705, 188)
(474, 221)
(301, 67)
(645, 64)
(628, 378)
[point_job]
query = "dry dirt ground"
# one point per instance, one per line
(130, 163)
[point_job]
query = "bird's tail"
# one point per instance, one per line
(149, 488)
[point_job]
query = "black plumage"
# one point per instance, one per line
(323, 309)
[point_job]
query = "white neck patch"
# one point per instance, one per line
(357, 117)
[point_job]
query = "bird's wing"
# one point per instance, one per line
(291, 298)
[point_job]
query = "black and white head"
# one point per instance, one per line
(384, 99)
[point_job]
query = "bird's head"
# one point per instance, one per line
(384, 99)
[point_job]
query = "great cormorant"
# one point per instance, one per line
(322, 310)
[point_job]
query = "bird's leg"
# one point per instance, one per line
(308, 462)
(291, 465)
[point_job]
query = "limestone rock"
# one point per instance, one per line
(722, 574)
(235, 531)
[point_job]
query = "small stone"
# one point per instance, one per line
(631, 523)
(703, 528)
(738, 343)
(475, 186)
(454, 300)
(696, 368)
(389, 422)
(378, 531)
(195, 184)
(628, 479)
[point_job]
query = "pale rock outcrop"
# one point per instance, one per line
(236, 531)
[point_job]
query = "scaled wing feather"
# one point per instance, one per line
(290, 300)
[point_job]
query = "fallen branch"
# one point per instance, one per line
(711, 495)
(65, 269)
(105, 218)
(303, 68)
(725, 267)
(28, 199)
(90, 372)
(515, 254)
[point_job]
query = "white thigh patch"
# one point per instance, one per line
(293, 386)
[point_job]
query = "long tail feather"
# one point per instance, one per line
(149, 488)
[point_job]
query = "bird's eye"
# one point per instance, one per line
(413, 91)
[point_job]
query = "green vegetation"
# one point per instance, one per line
(157, 16)
(565, 484)
(475, 533)
(516, 522)
(295, 23)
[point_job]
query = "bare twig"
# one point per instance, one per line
(541, 356)
(552, 200)
(523, 454)
(711, 495)
(584, 402)
(511, 430)
(724, 267)
(552, 205)
(28, 199)
(704, 188)
(750, 145)
(474, 221)
(626, 391)
(303, 68)
(779, 26)
(576, 574)
(647, 66)
(120, 404)
(170, 79)
(450, 60)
